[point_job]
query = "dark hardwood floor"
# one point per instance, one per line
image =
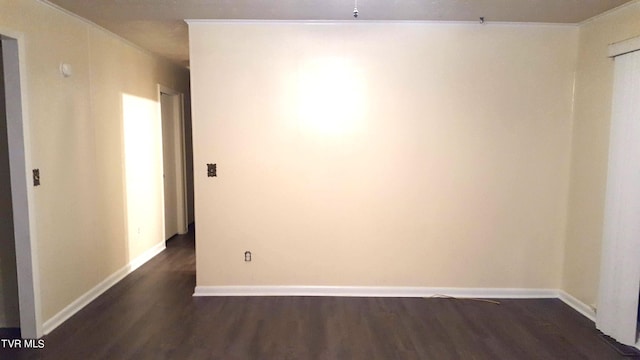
(151, 314)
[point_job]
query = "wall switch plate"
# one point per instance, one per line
(36, 177)
(212, 170)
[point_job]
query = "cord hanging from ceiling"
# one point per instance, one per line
(355, 9)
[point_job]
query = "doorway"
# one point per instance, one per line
(9, 308)
(173, 154)
(20, 275)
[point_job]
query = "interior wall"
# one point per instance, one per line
(590, 148)
(9, 309)
(76, 127)
(382, 154)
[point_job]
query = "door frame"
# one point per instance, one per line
(22, 193)
(180, 156)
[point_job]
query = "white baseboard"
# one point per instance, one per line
(97, 290)
(373, 291)
(577, 305)
(146, 256)
(392, 291)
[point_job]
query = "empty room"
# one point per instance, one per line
(319, 179)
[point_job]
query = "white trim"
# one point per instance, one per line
(146, 256)
(369, 22)
(393, 291)
(374, 291)
(624, 47)
(584, 309)
(22, 192)
(608, 12)
(109, 32)
(99, 289)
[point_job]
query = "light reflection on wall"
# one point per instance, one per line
(143, 173)
(331, 94)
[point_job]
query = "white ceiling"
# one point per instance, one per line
(158, 26)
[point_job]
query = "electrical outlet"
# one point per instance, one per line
(247, 256)
(212, 170)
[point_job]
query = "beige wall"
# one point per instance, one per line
(77, 142)
(594, 84)
(404, 154)
(455, 173)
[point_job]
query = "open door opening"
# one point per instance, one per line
(19, 303)
(9, 308)
(174, 171)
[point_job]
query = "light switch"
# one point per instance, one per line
(212, 170)
(36, 177)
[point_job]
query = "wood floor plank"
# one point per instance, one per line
(151, 314)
